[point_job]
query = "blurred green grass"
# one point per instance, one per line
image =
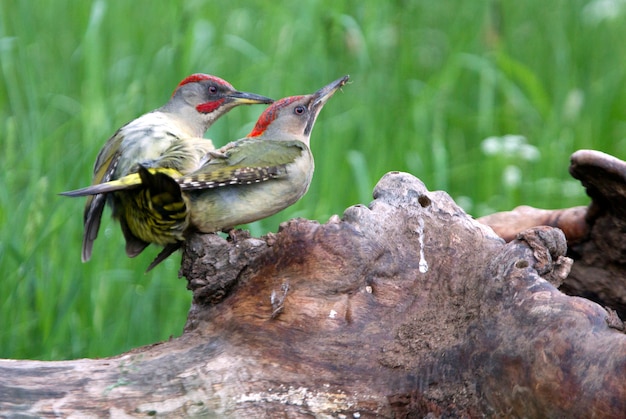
(430, 82)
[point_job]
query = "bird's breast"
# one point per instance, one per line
(223, 208)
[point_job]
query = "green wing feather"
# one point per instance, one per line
(245, 162)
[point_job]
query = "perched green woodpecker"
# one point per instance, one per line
(169, 137)
(244, 181)
(261, 174)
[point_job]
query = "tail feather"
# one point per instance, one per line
(164, 254)
(92, 218)
(134, 180)
(152, 209)
(127, 182)
(156, 212)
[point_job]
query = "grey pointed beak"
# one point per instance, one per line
(245, 98)
(320, 98)
(326, 92)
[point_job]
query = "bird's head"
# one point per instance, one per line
(293, 117)
(202, 99)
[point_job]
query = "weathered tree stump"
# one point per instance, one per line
(405, 308)
(595, 234)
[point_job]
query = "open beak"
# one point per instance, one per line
(245, 98)
(320, 98)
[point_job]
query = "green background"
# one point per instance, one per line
(483, 99)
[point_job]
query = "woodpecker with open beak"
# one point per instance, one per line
(261, 174)
(244, 181)
(169, 137)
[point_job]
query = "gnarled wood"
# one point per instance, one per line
(509, 224)
(403, 308)
(595, 234)
(600, 269)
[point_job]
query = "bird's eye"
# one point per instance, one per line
(299, 110)
(212, 90)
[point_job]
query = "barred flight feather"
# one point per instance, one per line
(239, 176)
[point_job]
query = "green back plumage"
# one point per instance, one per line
(245, 162)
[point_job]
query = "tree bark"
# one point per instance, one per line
(595, 234)
(405, 308)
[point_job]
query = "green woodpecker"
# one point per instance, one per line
(168, 137)
(244, 181)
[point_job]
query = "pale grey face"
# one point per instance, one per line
(215, 96)
(200, 100)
